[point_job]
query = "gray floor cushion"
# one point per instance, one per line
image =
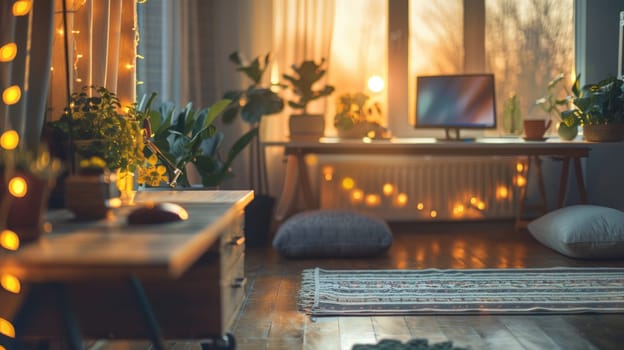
(332, 233)
(582, 231)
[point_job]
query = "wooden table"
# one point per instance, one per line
(107, 279)
(297, 178)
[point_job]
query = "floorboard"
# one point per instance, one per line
(269, 318)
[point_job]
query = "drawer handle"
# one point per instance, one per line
(238, 240)
(239, 282)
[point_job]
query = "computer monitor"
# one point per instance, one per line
(454, 102)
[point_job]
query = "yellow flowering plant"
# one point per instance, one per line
(152, 173)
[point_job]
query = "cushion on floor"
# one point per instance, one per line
(332, 233)
(582, 231)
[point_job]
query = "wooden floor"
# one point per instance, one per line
(269, 319)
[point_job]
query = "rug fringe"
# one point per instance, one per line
(308, 293)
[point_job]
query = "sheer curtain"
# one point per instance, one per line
(102, 49)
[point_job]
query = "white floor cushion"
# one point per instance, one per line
(582, 231)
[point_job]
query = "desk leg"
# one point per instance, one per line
(32, 302)
(148, 315)
(563, 181)
(306, 187)
(580, 182)
(287, 198)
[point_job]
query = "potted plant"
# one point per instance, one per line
(599, 108)
(189, 137)
(93, 126)
(555, 105)
(253, 103)
(357, 117)
(307, 74)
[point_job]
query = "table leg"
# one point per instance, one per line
(580, 182)
(563, 181)
(30, 305)
(148, 314)
(522, 197)
(306, 187)
(291, 180)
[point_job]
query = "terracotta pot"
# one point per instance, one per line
(310, 126)
(87, 196)
(604, 132)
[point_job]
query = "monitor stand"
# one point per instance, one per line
(455, 138)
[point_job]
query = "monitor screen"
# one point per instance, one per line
(456, 101)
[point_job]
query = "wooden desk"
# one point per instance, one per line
(296, 171)
(176, 280)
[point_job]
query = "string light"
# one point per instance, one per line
(9, 140)
(22, 7)
(388, 189)
(11, 95)
(348, 183)
(357, 196)
(10, 283)
(7, 328)
(8, 52)
(18, 187)
(9, 240)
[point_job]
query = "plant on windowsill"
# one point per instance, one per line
(357, 117)
(555, 105)
(599, 108)
(307, 75)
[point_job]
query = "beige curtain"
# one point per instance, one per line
(102, 49)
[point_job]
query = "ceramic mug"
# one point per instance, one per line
(534, 129)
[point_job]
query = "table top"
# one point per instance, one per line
(112, 247)
(430, 146)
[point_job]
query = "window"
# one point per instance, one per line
(524, 43)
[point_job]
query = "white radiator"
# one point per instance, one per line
(422, 188)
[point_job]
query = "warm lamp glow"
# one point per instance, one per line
(18, 187)
(328, 173)
(348, 183)
(433, 214)
(8, 52)
(9, 240)
(519, 167)
(520, 180)
(420, 206)
(22, 7)
(481, 205)
(401, 200)
(357, 196)
(11, 95)
(7, 328)
(473, 200)
(372, 200)
(388, 189)
(502, 192)
(9, 140)
(375, 84)
(458, 209)
(10, 283)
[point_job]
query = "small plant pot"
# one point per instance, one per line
(87, 196)
(567, 133)
(604, 132)
(306, 126)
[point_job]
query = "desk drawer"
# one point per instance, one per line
(232, 244)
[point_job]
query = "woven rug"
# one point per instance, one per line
(478, 291)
